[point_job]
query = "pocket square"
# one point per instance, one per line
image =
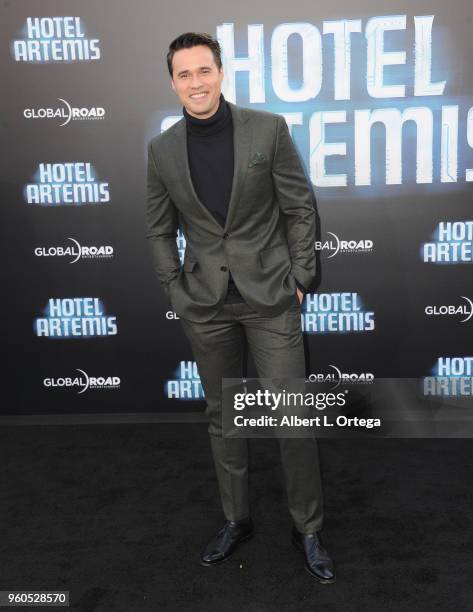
(257, 158)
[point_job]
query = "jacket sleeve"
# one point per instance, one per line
(297, 205)
(162, 223)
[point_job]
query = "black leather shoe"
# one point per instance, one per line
(317, 560)
(224, 543)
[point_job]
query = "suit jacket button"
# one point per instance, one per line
(225, 236)
(223, 268)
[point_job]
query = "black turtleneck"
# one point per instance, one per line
(210, 152)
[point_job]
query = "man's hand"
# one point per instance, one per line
(300, 295)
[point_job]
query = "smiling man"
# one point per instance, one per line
(201, 101)
(232, 179)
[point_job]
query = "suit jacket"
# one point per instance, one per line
(268, 239)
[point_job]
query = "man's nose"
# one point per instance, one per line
(195, 81)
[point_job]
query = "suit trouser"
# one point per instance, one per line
(276, 345)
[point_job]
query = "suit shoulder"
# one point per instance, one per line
(261, 115)
(163, 139)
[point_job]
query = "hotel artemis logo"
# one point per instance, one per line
(66, 183)
(78, 317)
(55, 39)
(335, 313)
(450, 377)
(451, 243)
(186, 383)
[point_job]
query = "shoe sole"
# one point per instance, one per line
(212, 563)
(299, 547)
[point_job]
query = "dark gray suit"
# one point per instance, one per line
(267, 244)
(264, 249)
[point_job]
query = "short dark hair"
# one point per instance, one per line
(192, 39)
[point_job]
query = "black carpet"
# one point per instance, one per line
(117, 514)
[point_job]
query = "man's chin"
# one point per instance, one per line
(198, 110)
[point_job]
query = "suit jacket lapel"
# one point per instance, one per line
(241, 157)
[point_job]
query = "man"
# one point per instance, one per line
(232, 179)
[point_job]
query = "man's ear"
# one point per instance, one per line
(172, 85)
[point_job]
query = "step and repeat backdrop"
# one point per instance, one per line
(379, 102)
